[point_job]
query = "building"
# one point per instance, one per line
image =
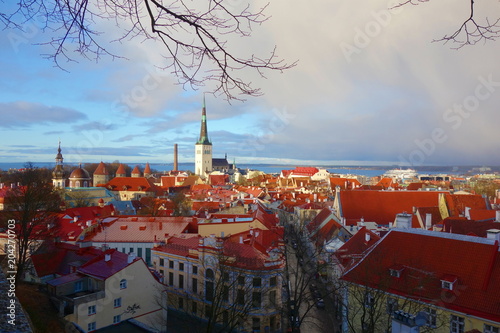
(107, 290)
(203, 148)
(233, 282)
(58, 180)
(449, 280)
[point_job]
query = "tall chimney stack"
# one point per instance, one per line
(176, 163)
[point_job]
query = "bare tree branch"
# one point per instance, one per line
(195, 39)
(470, 32)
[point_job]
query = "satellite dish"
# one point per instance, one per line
(421, 318)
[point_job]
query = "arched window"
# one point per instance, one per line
(209, 285)
(123, 284)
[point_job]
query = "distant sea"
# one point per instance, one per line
(369, 171)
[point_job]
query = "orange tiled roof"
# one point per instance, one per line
(458, 202)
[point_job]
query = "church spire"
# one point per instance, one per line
(203, 129)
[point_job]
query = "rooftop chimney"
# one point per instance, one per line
(367, 236)
(176, 162)
(107, 257)
(497, 219)
(131, 257)
(428, 221)
(493, 234)
(403, 221)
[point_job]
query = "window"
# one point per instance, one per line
(392, 305)
(369, 300)
(256, 299)
(395, 272)
(257, 282)
(272, 281)
(195, 269)
(209, 274)
(194, 307)
(117, 302)
(117, 319)
(181, 267)
(490, 329)
(456, 324)
(91, 326)
(272, 297)
(209, 291)
(432, 317)
(208, 311)
(446, 285)
(225, 293)
(171, 264)
(139, 252)
(181, 281)
(240, 297)
(181, 303)
(131, 250)
(123, 284)
(256, 324)
(162, 262)
(170, 278)
(78, 286)
(195, 285)
(91, 310)
(225, 276)
(241, 280)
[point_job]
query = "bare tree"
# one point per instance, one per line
(195, 38)
(33, 204)
(222, 295)
(471, 31)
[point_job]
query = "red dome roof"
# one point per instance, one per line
(79, 173)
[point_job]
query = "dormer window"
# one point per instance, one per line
(396, 271)
(448, 281)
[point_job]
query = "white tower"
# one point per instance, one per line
(203, 148)
(58, 180)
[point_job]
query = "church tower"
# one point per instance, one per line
(203, 148)
(58, 180)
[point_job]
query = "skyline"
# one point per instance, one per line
(370, 88)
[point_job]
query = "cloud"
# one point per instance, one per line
(25, 114)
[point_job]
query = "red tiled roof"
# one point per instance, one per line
(344, 183)
(102, 269)
(351, 251)
(139, 229)
(136, 170)
(387, 182)
(131, 184)
(463, 226)
(482, 214)
(458, 202)
(382, 206)
(428, 257)
(121, 170)
(147, 168)
(101, 170)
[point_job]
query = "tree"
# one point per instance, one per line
(33, 204)
(225, 291)
(471, 31)
(195, 38)
(182, 204)
(304, 267)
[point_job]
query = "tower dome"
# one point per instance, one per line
(79, 178)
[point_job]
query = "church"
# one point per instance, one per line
(204, 163)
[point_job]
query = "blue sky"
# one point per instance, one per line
(370, 88)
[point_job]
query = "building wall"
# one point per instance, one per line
(228, 228)
(169, 265)
(141, 300)
(357, 306)
(139, 249)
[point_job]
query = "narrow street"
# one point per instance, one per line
(314, 319)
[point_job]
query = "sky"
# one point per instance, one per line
(370, 88)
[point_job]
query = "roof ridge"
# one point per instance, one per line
(464, 238)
